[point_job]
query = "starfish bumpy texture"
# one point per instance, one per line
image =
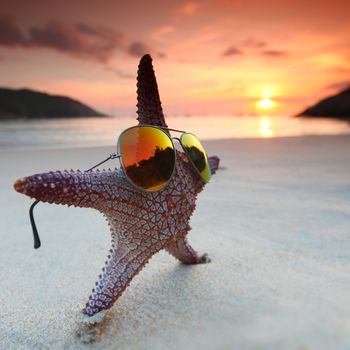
(141, 223)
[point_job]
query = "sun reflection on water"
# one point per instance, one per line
(266, 127)
(81, 132)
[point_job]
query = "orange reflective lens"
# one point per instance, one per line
(148, 156)
(197, 155)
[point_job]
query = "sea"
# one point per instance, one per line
(27, 134)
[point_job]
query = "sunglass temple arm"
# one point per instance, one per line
(37, 242)
(36, 237)
(111, 156)
(165, 128)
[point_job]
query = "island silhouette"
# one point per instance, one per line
(336, 106)
(26, 103)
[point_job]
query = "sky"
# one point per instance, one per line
(211, 57)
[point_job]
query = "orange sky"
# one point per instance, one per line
(211, 57)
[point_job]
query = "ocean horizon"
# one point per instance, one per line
(25, 134)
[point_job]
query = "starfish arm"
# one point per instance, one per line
(149, 107)
(183, 251)
(125, 260)
(81, 189)
(214, 162)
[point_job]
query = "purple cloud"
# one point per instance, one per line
(10, 34)
(138, 49)
(78, 40)
(81, 40)
(254, 46)
(274, 53)
(232, 51)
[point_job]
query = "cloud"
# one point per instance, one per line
(249, 44)
(96, 43)
(273, 53)
(79, 40)
(10, 34)
(138, 49)
(232, 51)
(161, 54)
(254, 46)
(254, 43)
(339, 85)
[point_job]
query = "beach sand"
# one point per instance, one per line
(275, 221)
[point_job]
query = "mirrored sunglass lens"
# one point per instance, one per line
(196, 152)
(148, 157)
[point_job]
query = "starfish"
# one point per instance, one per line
(141, 223)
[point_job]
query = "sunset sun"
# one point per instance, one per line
(266, 103)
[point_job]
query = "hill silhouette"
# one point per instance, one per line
(336, 106)
(25, 103)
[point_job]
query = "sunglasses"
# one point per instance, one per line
(147, 156)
